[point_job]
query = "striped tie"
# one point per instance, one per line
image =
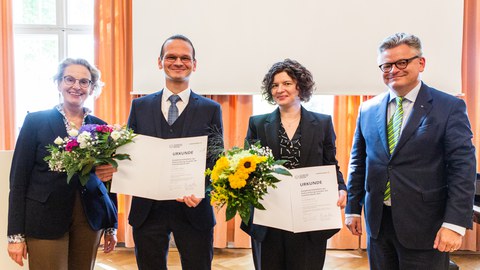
(393, 130)
(173, 110)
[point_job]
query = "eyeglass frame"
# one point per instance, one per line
(79, 81)
(408, 60)
(173, 59)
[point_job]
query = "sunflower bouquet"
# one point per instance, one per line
(241, 177)
(87, 147)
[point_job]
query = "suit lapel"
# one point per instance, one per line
(190, 112)
(272, 125)
(381, 119)
(308, 128)
(157, 112)
(56, 123)
(421, 108)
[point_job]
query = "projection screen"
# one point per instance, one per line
(237, 41)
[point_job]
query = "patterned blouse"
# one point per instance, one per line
(290, 149)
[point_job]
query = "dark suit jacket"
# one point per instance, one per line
(202, 117)
(41, 201)
(318, 148)
(431, 171)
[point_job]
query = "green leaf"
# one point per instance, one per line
(84, 179)
(279, 162)
(122, 156)
(88, 167)
(112, 162)
(245, 215)
(260, 206)
(282, 171)
(246, 145)
(69, 176)
(230, 212)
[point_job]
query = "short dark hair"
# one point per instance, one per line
(97, 84)
(300, 74)
(181, 37)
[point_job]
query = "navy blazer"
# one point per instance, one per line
(41, 201)
(203, 116)
(431, 171)
(317, 148)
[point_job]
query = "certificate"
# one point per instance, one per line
(306, 201)
(162, 169)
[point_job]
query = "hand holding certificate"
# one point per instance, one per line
(305, 202)
(163, 169)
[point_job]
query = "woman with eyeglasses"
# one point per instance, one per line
(304, 139)
(59, 224)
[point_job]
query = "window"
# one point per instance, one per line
(45, 32)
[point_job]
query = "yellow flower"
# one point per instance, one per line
(221, 164)
(248, 164)
(237, 181)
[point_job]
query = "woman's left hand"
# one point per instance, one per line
(109, 242)
(342, 199)
(105, 172)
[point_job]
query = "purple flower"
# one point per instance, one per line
(88, 127)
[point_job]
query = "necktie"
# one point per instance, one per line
(393, 131)
(173, 110)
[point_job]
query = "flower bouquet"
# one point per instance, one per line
(87, 147)
(241, 177)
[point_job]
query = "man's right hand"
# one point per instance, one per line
(354, 224)
(18, 252)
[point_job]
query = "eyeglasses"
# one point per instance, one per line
(84, 83)
(172, 59)
(400, 64)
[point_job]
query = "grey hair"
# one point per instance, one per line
(97, 84)
(398, 39)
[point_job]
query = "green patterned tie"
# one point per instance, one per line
(393, 130)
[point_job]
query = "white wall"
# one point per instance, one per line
(238, 41)
(5, 261)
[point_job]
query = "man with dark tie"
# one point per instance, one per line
(412, 166)
(175, 112)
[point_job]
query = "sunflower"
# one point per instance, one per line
(248, 164)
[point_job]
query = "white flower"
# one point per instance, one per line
(73, 132)
(58, 141)
(116, 135)
(84, 139)
(117, 127)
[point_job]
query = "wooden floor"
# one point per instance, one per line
(240, 259)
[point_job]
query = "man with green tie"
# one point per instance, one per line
(412, 166)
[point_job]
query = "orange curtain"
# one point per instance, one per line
(344, 117)
(471, 90)
(7, 96)
(235, 113)
(113, 56)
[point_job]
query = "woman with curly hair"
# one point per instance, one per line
(304, 139)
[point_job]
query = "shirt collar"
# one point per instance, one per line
(411, 96)
(184, 95)
(86, 112)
